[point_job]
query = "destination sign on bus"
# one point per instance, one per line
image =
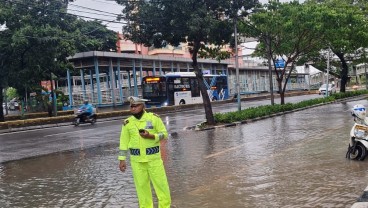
(180, 86)
(152, 79)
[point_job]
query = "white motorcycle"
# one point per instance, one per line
(358, 145)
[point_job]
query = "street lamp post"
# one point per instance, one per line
(328, 70)
(366, 77)
(270, 69)
(306, 69)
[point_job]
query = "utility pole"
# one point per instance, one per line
(268, 42)
(237, 64)
(366, 77)
(328, 70)
(365, 70)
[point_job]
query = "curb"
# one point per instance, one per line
(45, 126)
(197, 127)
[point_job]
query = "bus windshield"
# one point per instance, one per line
(154, 88)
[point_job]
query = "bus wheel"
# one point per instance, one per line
(214, 99)
(182, 102)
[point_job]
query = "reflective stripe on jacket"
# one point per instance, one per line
(130, 138)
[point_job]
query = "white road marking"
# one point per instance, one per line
(72, 132)
(225, 151)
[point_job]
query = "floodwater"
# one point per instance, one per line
(293, 160)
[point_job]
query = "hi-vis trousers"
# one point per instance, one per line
(154, 171)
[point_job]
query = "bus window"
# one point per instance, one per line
(221, 83)
(195, 87)
(162, 88)
(186, 84)
(181, 84)
(154, 88)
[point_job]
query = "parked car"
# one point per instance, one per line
(331, 89)
(13, 105)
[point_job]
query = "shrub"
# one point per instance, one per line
(265, 110)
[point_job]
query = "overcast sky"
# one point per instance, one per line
(99, 9)
(106, 10)
(109, 9)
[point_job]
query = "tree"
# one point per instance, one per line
(286, 31)
(38, 38)
(346, 29)
(94, 36)
(40, 33)
(197, 23)
(5, 61)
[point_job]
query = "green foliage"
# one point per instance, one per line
(40, 35)
(61, 97)
(344, 25)
(197, 23)
(93, 36)
(287, 31)
(38, 38)
(11, 93)
(213, 52)
(266, 110)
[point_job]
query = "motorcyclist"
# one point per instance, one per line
(86, 108)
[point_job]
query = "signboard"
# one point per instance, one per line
(206, 72)
(280, 63)
(47, 85)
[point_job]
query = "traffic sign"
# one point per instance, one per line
(280, 63)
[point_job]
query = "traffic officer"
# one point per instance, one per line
(140, 136)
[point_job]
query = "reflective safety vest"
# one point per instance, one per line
(141, 149)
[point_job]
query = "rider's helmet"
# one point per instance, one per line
(85, 102)
(359, 111)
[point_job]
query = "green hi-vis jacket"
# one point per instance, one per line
(130, 138)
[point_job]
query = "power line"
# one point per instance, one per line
(53, 10)
(106, 2)
(90, 12)
(93, 9)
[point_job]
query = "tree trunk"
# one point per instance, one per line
(269, 55)
(344, 71)
(2, 118)
(206, 100)
(281, 91)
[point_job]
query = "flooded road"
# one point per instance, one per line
(293, 160)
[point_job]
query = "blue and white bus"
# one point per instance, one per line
(178, 88)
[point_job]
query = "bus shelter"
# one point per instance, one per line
(108, 78)
(255, 80)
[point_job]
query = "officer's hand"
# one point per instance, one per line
(122, 165)
(145, 134)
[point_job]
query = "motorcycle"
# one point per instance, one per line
(358, 145)
(80, 117)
